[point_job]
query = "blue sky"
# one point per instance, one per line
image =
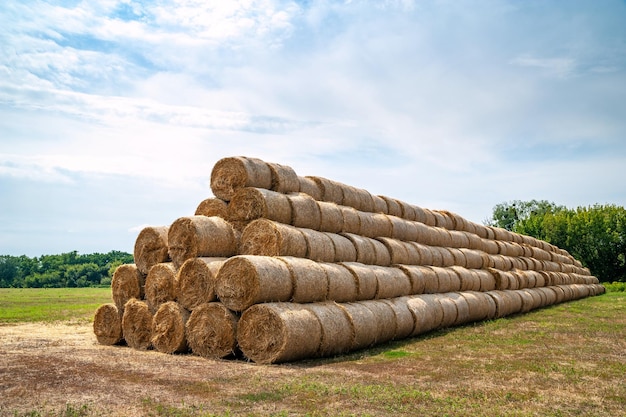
(113, 113)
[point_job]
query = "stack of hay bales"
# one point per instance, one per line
(280, 267)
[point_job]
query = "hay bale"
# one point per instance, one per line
(458, 239)
(337, 331)
(268, 238)
(392, 282)
(507, 302)
(211, 207)
(444, 219)
(365, 251)
(489, 246)
(380, 205)
(449, 309)
(245, 280)
(447, 257)
(458, 257)
(200, 236)
(319, 246)
(151, 247)
(384, 324)
(284, 178)
(331, 217)
(361, 319)
(423, 279)
(107, 325)
(436, 254)
(463, 311)
(374, 225)
(159, 287)
(409, 212)
(343, 248)
(480, 306)
(358, 198)
(127, 282)
(393, 206)
(405, 324)
(278, 332)
(305, 211)
(351, 220)
(446, 280)
(365, 278)
(342, 285)
(429, 218)
(310, 283)
(420, 214)
(230, 174)
(425, 254)
(487, 280)
(469, 279)
(195, 281)
(398, 251)
(426, 235)
(168, 328)
(330, 191)
(250, 204)
(211, 331)
(310, 187)
(473, 258)
(427, 312)
(137, 324)
(528, 301)
(402, 229)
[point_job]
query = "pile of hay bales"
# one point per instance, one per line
(277, 267)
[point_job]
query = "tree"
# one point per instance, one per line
(508, 215)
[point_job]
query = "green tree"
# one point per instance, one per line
(508, 215)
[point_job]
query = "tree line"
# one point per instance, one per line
(58, 271)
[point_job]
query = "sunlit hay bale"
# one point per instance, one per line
(384, 324)
(107, 325)
(436, 254)
(429, 218)
(127, 282)
(548, 295)
(444, 219)
(425, 254)
(539, 298)
(305, 211)
(404, 318)
(278, 332)
(374, 225)
(195, 281)
(160, 285)
(351, 220)
(250, 203)
(319, 246)
(380, 205)
(522, 279)
(230, 174)
(284, 178)
(269, 238)
(449, 308)
(331, 191)
(473, 241)
(245, 280)
(535, 279)
(506, 302)
(427, 312)
(480, 306)
(196, 236)
(365, 252)
(382, 256)
(540, 254)
(151, 247)
(480, 230)
(447, 257)
(211, 331)
(392, 282)
(458, 257)
(361, 319)
(393, 206)
(489, 246)
(514, 280)
(528, 301)
(409, 211)
(168, 328)
(474, 258)
(502, 278)
(426, 235)
(310, 187)
(517, 263)
(500, 262)
(337, 331)
(213, 206)
(463, 314)
(423, 279)
(551, 266)
(420, 214)
(342, 285)
(137, 324)
(447, 279)
(310, 283)
(397, 251)
(402, 229)
(358, 198)
(331, 218)
(365, 279)
(487, 280)
(458, 239)
(469, 280)
(343, 247)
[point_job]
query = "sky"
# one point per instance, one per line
(113, 112)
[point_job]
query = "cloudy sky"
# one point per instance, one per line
(113, 112)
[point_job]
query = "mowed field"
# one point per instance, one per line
(564, 360)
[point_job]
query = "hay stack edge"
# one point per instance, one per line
(277, 267)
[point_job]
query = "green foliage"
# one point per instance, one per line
(615, 286)
(59, 271)
(508, 215)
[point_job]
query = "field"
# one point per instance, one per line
(565, 360)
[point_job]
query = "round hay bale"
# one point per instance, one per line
(458, 239)
(250, 203)
(397, 251)
(284, 178)
(310, 283)
(409, 212)
(449, 310)
(195, 281)
(420, 214)
(196, 236)
(403, 229)
(211, 331)
(374, 225)
(463, 311)
(405, 324)
(365, 279)
(151, 247)
(442, 277)
(489, 246)
(159, 286)
(393, 206)
(429, 218)
(362, 322)
(230, 174)
(211, 207)
(384, 325)
(310, 187)
(380, 205)
(342, 285)
(426, 235)
(358, 198)
(351, 220)
(549, 295)
(446, 255)
(444, 219)
(107, 325)
(137, 324)
(425, 254)
(305, 211)
(468, 279)
(427, 312)
(245, 280)
(268, 238)
(480, 306)
(330, 191)
(168, 328)
(436, 256)
(381, 253)
(392, 282)
(337, 331)
(278, 332)
(422, 278)
(480, 230)
(319, 246)
(343, 248)
(458, 257)
(365, 251)
(127, 282)
(331, 218)
(522, 279)
(528, 301)
(487, 280)
(473, 258)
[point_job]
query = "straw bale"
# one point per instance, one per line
(384, 324)
(449, 308)
(491, 234)
(403, 229)
(343, 248)
(506, 302)
(151, 247)
(195, 281)
(409, 211)
(473, 241)
(365, 278)
(458, 239)
(374, 225)
(331, 191)
(361, 320)
(446, 255)
(310, 283)
(107, 325)
(423, 279)
(269, 238)
(528, 301)
(310, 187)
(447, 279)
(319, 245)
(481, 306)
(380, 205)
(331, 217)
(463, 308)
(427, 312)
(420, 214)
(213, 206)
(305, 212)
(444, 219)
(489, 246)
(342, 285)
(549, 295)
(381, 253)
(426, 235)
(458, 257)
(137, 324)
(168, 328)
(425, 254)
(436, 256)
(397, 251)
(232, 173)
(480, 230)
(351, 220)
(392, 282)
(429, 218)
(487, 280)
(474, 258)
(245, 280)
(522, 279)
(250, 203)
(470, 281)
(160, 285)
(284, 178)
(211, 331)
(365, 252)
(196, 236)
(393, 206)
(278, 332)
(337, 331)
(358, 198)
(404, 318)
(127, 282)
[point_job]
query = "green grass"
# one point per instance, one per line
(50, 304)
